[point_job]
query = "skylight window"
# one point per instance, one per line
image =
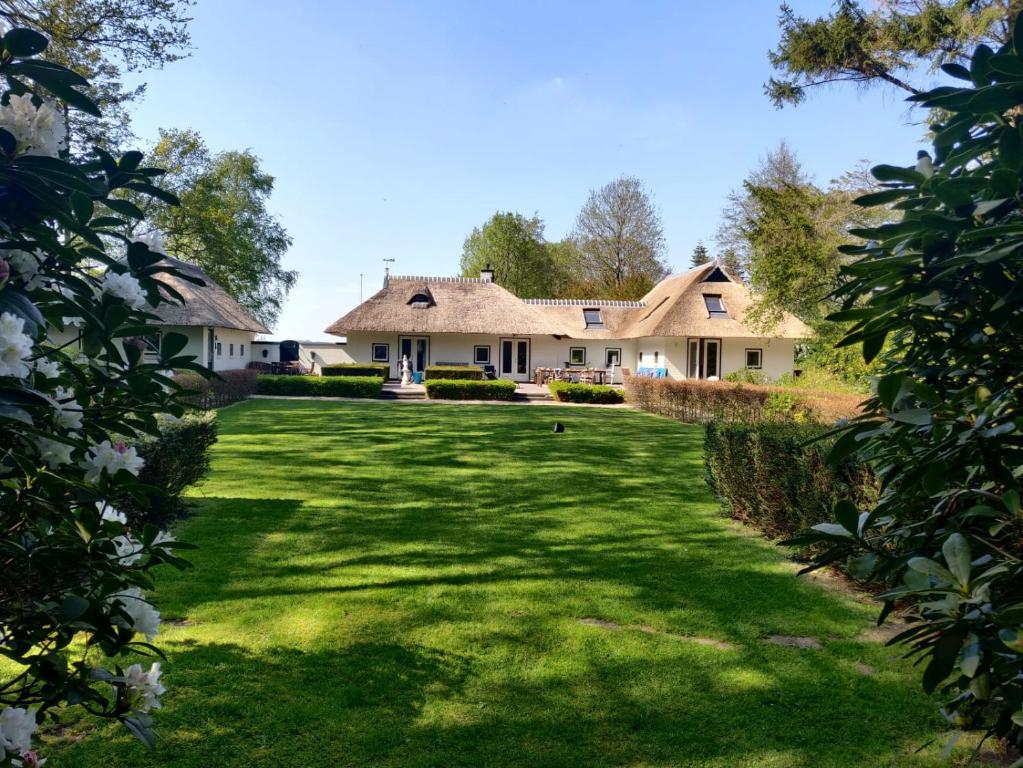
(593, 318)
(715, 305)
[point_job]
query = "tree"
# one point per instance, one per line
(620, 240)
(729, 259)
(935, 298)
(887, 44)
(102, 40)
(514, 247)
(222, 223)
(75, 570)
(700, 255)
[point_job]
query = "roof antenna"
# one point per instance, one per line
(387, 271)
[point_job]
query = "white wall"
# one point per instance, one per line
(235, 349)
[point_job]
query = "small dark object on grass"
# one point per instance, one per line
(558, 427)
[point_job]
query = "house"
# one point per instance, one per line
(220, 331)
(690, 325)
(310, 355)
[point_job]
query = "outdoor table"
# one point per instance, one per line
(598, 375)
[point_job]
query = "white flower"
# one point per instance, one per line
(69, 414)
(110, 515)
(30, 759)
(125, 287)
(163, 538)
(153, 240)
(38, 130)
(144, 688)
(111, 458)
(16, 728)
(26, 265)
(53, 452)
(15, 346)
(48, 368)
(143, 617)
(129, 549)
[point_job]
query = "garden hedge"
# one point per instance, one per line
(455, 372)
(320, 386)
(356, 369)
(224, 388)
(178, 458)
(768, 475)
(566, 392)
(454, 389)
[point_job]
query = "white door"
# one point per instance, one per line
(515, 359)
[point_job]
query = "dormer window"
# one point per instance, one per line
(421, 299)
(593, 318)
(715, 305)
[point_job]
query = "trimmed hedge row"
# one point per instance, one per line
(698, 401)
(567, 392)
(320, 386)
(356, 369)
(452, 389)
(768, 476)
(228, 387)
(454, 372)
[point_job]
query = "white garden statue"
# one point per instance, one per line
(406, 376)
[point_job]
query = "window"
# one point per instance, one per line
(657, 358)
(230, 350)
(241, 350)
(220, 349)
(577, 356)
(266, 353)
(715, 305)
(754, 358)
(420, 301)
(151, 343)
(481, 355)
(381, 353)
(593, 318)
(612, 356)
(694, 359)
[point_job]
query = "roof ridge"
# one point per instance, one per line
(448, 279)
(630, 304)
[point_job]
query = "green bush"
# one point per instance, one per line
(177, 458)
(768, 476)
(455, 372)
(454, 389)
(320, 386)
(356, 369)
(566, 392)
(746, 376)
(223, 388)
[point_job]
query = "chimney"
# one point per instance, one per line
(487, 274)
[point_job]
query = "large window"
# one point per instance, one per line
(593, 318)
(381, 353)
(715, 305)
(612, 356)
(577, 356)
(481, 354)
(755, 358)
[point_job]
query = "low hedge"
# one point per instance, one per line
(320, 386)
(356, 369)
(177, 459)
(567, 392)
(225, 388)
(454, 389)
(700, 401)
(455, 372)
(768, 476)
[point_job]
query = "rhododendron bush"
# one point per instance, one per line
(76, 395)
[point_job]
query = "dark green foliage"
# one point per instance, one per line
(514, 247)
(566, 392)
(460, 389)
(700, 255)
(768, 475)
(176, 459)
(937, 298)
(746, 376)
(356, 369)
(225, 388)
(320, 386)
(453, 372)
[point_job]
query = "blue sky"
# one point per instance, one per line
(394, 128)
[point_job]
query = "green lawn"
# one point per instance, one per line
(402, 585)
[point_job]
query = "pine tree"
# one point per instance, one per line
(700, 255)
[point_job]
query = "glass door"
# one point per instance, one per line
(515, 358)
(711, 358)
(417, 349)
(694, 359)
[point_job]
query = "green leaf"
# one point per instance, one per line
(73, 606)
(897, 173)
(124, 207)
(873, 344)
(848, 516)
(172, 344)
(916, 416)
(888, 388)
(969, 656)
(1012, 501)
(23, 42)
(956, 550)
(943, 661)
(957, 71)
(929, 567)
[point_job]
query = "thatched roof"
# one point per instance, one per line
(674, 307)
(455, 305)
(205, 305)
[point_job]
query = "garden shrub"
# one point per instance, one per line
(222, 389)
(455, 372)
(935, 298)
(567, 392)
(356, 369)
(771, 476)
(746, 376)
(176, 459)
(76, 398)
(455, 389)
(319, 386)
